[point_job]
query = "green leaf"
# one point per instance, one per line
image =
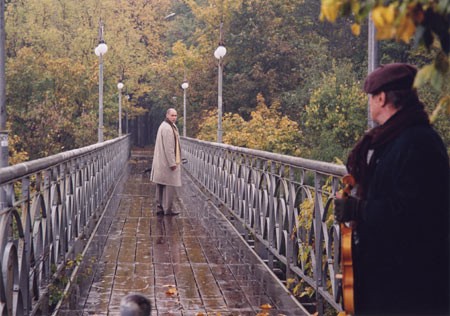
(444, 6)
(437, 79)
(423, 76)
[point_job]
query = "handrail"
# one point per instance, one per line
(283, 202)
(50, 210)
(21, 169)
(320, 166)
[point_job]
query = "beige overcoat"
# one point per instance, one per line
(164, 157)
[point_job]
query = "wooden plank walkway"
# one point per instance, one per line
(191, 264)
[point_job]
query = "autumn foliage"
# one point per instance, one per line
(417, 22)
(291, 84)
(268, 129)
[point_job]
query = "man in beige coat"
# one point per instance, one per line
(166, 170)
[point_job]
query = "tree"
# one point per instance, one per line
(272, 50)
(16, 153)
(335, 117)
(427, 22)
(50, 103)
(268, 129)
(52, 83)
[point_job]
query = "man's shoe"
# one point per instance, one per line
(160, 213)
(172, 213)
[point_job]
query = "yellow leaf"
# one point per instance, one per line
(356, 6)
(329, 10)
(383, 19)
(383, 15)
(171, 291)
(406, 29)
(356, 29)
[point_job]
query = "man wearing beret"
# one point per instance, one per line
(400, 206)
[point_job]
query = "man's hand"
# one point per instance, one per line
(347, 209)
(173, 168)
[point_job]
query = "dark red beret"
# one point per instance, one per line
(390, 77)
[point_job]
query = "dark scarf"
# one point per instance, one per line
(357, 164)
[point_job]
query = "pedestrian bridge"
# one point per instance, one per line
(80, 232)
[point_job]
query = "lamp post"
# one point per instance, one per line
(100, 50)
(120, 87)
(126, 113)
(219, 53)
(372, 61)
(3, 132)
(184, 86)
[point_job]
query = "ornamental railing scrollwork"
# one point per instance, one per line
(49, 206)
(284, 202)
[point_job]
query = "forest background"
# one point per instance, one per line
(292, 84)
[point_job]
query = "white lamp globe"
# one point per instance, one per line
(185, 85)
(97, 51)
(120, 85)
(102, 48)
(220, 52)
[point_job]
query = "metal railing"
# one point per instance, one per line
(284, 203)
(51, 207)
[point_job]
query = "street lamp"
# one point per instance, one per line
(120, 87)
(4, 155)
(184, 86)
(219, 53)
(373, 61)
(126, 113)
(100, 50)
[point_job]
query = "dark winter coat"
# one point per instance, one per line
(401, 251)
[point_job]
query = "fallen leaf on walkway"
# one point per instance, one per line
(262, 314)
(266, 306)
(171, 291)
(200, 314)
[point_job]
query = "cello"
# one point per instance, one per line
(346, 260)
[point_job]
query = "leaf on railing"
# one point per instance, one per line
(308, 291)
(293, 234)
